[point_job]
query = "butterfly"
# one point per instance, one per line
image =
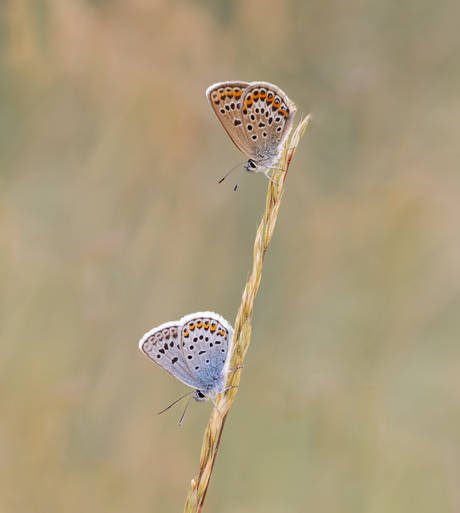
(257, 116)
(196, 350)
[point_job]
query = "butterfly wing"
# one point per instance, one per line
(257, 116)
(162, 345)
(267, 115)
(206, 344)
(226, 100)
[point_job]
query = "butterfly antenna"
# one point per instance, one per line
(162, 411)
(238, 181)
(233, 168)
(185, 409)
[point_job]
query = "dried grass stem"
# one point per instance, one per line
(242, 336)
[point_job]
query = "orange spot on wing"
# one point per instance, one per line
(283, 112)
(186, 333)
(199, 324)
(213, 328)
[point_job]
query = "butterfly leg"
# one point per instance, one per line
(270, 178)
(228, 388)
(224, 390)
(235, 369)
(215, 405)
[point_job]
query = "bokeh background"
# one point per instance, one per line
(112, 222)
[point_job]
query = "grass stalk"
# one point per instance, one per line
(242, 336)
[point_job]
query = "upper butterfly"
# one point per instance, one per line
(257, 117)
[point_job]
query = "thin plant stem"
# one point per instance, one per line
(242, 336)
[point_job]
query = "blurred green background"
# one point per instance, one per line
(112, 222)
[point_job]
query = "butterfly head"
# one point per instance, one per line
(200, 396)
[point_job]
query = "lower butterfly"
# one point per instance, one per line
(196, 350)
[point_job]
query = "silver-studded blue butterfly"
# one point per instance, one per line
(196, 350)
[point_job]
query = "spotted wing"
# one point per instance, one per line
(267, 115)
(206, 344)
(162, 345)
(226, 100)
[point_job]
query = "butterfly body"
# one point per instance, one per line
(196, 350)
(257, 116)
